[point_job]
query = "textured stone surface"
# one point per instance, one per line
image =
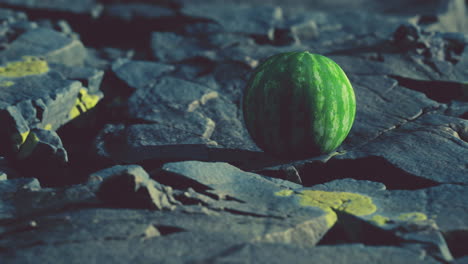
(162, 170)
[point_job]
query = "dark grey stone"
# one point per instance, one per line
(163, 43)
(173, 102)
(441, 210)
(103, 58)
(340, 30)
(138, 74)
(25, 105)
(89, 77)
(32, 201)
(89, 7)
(237, 18)
(339, 254)
(8, 187)
(51, 45)
(228, 182)
(462, 260)
(123, 234)
(458, 109)
(137, 11)
(442, 136)
(140, 142)
(131, 187)
(44, 145)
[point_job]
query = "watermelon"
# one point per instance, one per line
(298, 104)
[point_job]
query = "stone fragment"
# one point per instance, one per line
(173, 102)
(51, 45)
(140, 142)
(89, 77)
(339, 254)
(443, 136)
(130, 186)
(420, 224)
(89, 7)
(29, 200)
(24, 104)
(138, 74)
(237, 18)
(8, 187)
(131, 12)
(163, 43)
(121, 234)
(43, 145)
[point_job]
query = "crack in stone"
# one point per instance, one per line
(420, 114)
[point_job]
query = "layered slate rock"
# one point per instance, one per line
(219, 225)
(237, 18)
(89, 7)
(33, 96)
(48, 44)
(173, 102)
(130, 186)
(138, 74)
(356, 253)
(173, 74)
(429, 215)
(131, 12)
(444, 137)
(90, 78)
(139, 142)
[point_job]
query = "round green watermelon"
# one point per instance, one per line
(298, 104)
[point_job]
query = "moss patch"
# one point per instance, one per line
(380, 220)
(284, 193)
(29, 145)
(351, 203)
(83, 103)
(412, 217)
(28, 66)
(6, 84)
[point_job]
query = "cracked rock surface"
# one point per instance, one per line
(122, 138)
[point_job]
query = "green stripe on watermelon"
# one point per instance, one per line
(298, 104)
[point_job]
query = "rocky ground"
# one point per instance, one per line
(121, 137)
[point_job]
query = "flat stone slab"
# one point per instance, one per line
(81, 7)
(237, 18)
(138, 74)
(51, 45)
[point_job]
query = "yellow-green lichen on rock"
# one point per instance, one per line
(26, 67)
(412, 217)
(380, 220)
(284, 193)
(20, 138)
(351, 203)
(48, 127)
(6, 83)
(29, 145)
(83, 103)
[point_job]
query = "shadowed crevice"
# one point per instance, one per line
(351, 229)
(440, 91)
(373, 168)
(457, 241)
